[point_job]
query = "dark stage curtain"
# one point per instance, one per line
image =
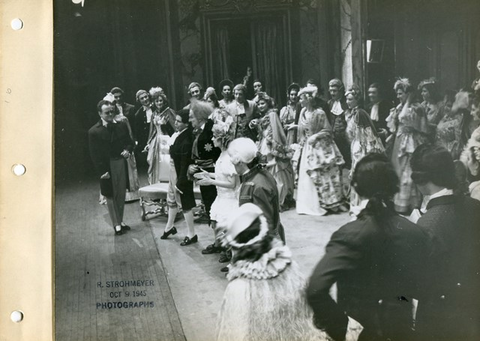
(269, 65)
(223, 55)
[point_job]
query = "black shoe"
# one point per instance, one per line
(119, 231)
(224, 269)
(224, 258)
(203, 219)
(126, 227)
(172, 231)
(211, 249)
(188, 241)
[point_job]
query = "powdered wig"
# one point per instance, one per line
(433, 163)
(336, 83)
(201, 110)
(139, 93)
(262, 96)
(354, 90)
(403, 84)
(193, 85)
(240, 87)
(116, 90)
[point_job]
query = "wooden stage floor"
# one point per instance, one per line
(185, 288)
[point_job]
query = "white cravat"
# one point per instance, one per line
(337, 108)
(374, 113)
(149, 114)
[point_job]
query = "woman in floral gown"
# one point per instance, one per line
(161, 128)
(362, 135)
(276, 153)
(319, 180)
(409, 126)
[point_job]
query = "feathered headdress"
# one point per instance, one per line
(155, 90)
(109, 97)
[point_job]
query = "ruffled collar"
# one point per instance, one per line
(270, 265)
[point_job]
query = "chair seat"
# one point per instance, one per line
(155, 191)
(160, 190)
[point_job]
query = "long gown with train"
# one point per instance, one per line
(276, 154)
(320, 175)
(264, 300)
(409, 125)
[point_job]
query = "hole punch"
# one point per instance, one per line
(19, 169)
(16, 316)
(17, 24)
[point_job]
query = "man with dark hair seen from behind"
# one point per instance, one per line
(449, 304)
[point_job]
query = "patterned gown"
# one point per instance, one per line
(363, 140)
(277, 154)
(410, 127)
(319, 179)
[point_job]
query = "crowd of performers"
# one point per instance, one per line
(380, 162)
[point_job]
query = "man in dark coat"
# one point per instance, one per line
(141, 127)
(258, 185)
(379, 109)
(204, 153)
(110, 144)
(336, 116)
(449, 307)
(374, 261)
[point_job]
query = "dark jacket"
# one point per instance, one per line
(181, 152)
(449, 308)
(206, 149)
(141, 128)
(259, 187)
(383, 112)
(129, 112)
(105, 144)
(376, 267)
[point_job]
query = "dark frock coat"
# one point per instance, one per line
(376, 270)
(181, 154)
(104, 145)
(449, 308)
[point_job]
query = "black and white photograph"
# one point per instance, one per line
(266, 170)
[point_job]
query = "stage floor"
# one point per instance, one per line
(139, 287)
